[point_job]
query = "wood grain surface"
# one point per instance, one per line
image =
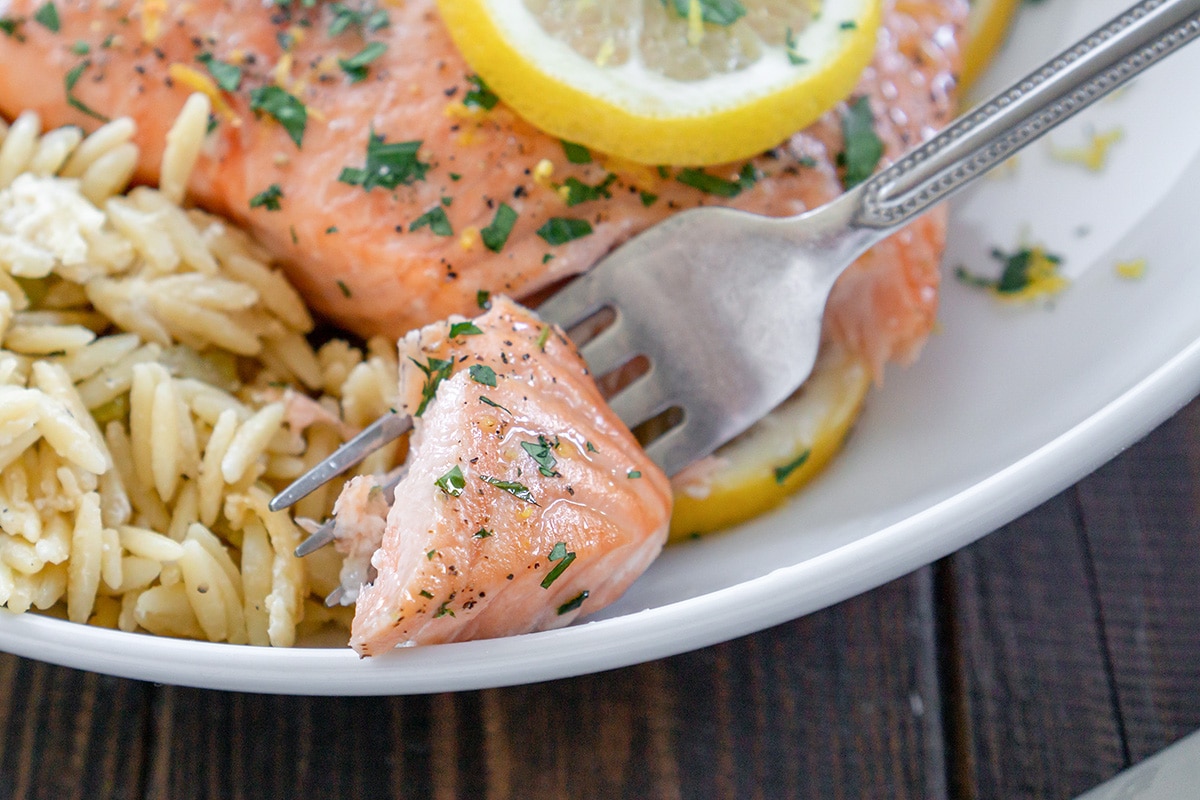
(1034, 664)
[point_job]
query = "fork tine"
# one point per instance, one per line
(317, 539)
(609, 349)
(383, 430)
(572, 304)
(640, 400)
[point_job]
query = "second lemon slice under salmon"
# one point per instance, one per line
(687, 82)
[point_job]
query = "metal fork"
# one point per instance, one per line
(727, 306)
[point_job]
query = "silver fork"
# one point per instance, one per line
(727, 306)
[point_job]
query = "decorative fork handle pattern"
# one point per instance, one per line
(1108, 58)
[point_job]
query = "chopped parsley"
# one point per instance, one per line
(284, 107)
(81, 48)
(496, 234)
(790, 46)
(574, 603)
(437, 221)
(863, 147)
(69, 81)
(11, 27)
(467, 328)
(557, 553)
(47, 17)
(227, 76)
(591, 448)
(387, 165)
(1021, 272)
(579, 192)
(782, 473)
(443, 610)
(482, 373)
(543, 337)
(848, 25)
(711, 184)
(482, 533)
(479, 95)
(452, 483)
(487, 401)
(518, 490)
(344, 17)
(356, 65)
(428, 595)
(648, 199)
(341, 284)
(436, 371)
(576, 153)
(269, 199)
(718, 12)
(483, 298)
(560, 230)
(633, 473)
(542, 454)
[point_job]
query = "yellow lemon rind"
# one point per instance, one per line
(986, 31)
(816, 419)
(716, 137)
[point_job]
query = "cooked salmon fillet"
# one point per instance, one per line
(525, 502)
(389, 252)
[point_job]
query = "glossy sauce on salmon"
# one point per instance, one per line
(405, 252)
(525, 502)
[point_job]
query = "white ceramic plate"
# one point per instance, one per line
(1007, 406)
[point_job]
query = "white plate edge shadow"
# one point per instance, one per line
(636, 636)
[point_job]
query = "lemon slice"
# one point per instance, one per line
(986, 27)
(758, 470)
(668, 81)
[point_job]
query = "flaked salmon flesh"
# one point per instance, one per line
(388, 260)
(525, 502)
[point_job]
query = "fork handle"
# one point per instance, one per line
(994, 130)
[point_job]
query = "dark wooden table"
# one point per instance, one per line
(1035, 664)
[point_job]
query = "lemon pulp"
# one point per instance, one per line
(661, 82)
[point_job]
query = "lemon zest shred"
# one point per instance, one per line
(1043, 279)
(1092, 156)
(1132, 269)
(197, 81)
(695, 21)
(152, 17)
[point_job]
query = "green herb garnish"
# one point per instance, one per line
(648, 199)
(790, 47)
(344, 17)
(443, 610)
(518, 490)
(387, 165)
(576, 153)
(452, 483)
(487, 401)
(436, 371)
(711, 184)
(482, 533)
(227, 76)
(560, 230)
(542, 454)
(47, 16)
(483, 298)
(863, 147)
(543, 337)
(557, 553)
(341, 284)
(11, 27)
(633, 473)
(580, 192)
(437, 221)
(496, 234)
(479, 95)
(284, 107)
(356, 65)
(467, 328)
(268, 198)
(718, 12)
(574, 603)
(69, 81)
(782, 473)
(482, 373)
